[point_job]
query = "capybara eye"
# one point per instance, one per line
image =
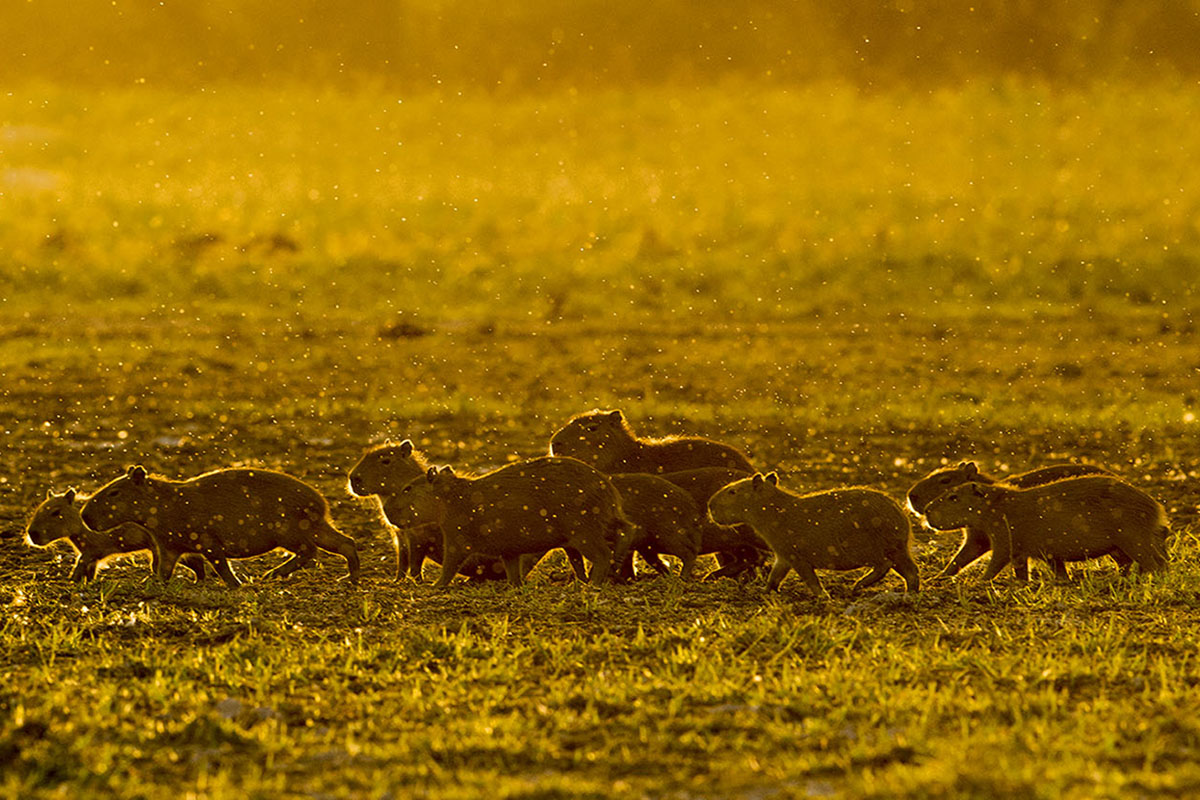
(385, 461)
(944, 479)
(56, 514)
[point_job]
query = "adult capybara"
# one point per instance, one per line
(383, 471)
(1069, 520)
(604, 440)
(227, 513)
(738, 548)
(975, 542)
(837, 529)
(668, 521)
(526, 508)
(58, 518)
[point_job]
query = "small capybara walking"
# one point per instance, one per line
(604, 440)
(58, 518)
(526, 508)
(224, 514)
(839, 529)
(975, 542)
(1069, 520)
(383, 471)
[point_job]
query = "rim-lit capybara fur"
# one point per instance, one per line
(382, 472)
(739, 549)
(839, 529)
(604, 440)
(976, 543)
(520, 509)
(1071, 520)
(668, 521)
(58, 518)
(224, 514)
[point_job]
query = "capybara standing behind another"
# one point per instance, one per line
(383, 471)
(227, 513)
(58, 518)
(604, 440)
(1069, 520)
(668, 521)
(975, 542)
(838, 529)
(520, 509)
(739, 549)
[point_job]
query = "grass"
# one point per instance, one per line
(854, 287)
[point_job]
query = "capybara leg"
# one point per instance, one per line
(903, 563)
(779, 571)
(1060, 569)
(1021, 568)
(689, 563)
(403, 553)
(452, 559)
(195, 563)
(974, 545)
(512, 569)
(809, 576)
(331, 540)
(302, 557)
(601, 558)
(84, 568)
(1124, 562)
(655, 561)
(418, 552)
(166, 564)
(221, 567)
(871, 578)
(575, 559)
(1001, 555)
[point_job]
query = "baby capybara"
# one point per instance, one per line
(1070, 520)
(839, 529)
(224, 514)
(604, 440)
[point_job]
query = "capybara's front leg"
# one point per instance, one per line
(224, 572)
(779, 571)
(974, 545)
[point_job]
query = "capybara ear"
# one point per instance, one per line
(406, 448)
(137, 474)
(615, 416)
(756, 480)
(49, 493)
(431, 473)
(773, 479)
(972, 469)
(446, 470)
(70, 495)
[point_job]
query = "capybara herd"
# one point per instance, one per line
(601, 495)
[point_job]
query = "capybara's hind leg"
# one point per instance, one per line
(221, 566)
(329, 539)
(601, 558)
(779, 571)
(575, 559)
(512, 570)
(871, 578)
(84, 569)
(903, 563)
(195, 563)
(301, 558)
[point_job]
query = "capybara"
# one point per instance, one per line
(383, 471)
(975, 542)
(58, 518)
(838, 529)
(1069, 520)
(604, 440)
(668, 521)
(738, 548)
(529, 507)
(227, 513)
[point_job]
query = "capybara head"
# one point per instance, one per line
(939, 481)
(956, 508)
(730, 505)
(597, 438)
(386, 469)
(128, 498)
(421, 501)
(55, 518)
